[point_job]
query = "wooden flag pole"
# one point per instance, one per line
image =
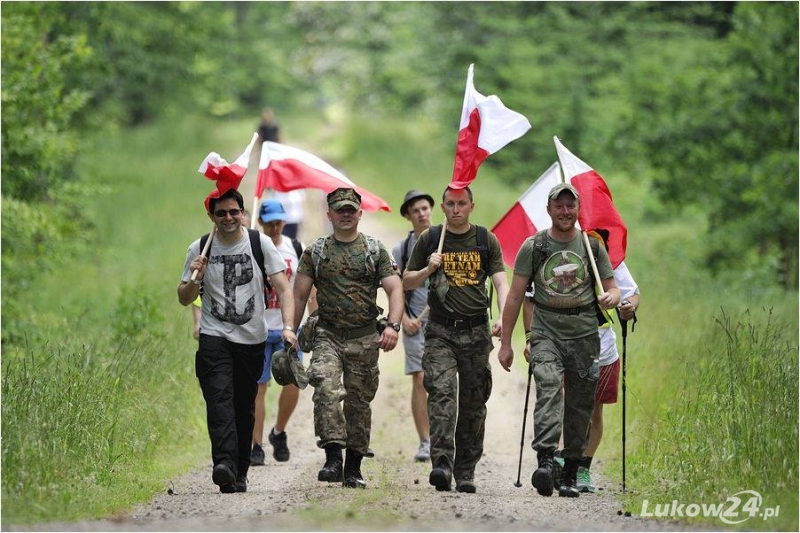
(205, 249)
(254, 213)
(592, 261)
(441, 237)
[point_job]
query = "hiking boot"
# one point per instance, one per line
(465, 485)
(352, 471)
(257, 455)
(280, 451)
(542, 478)
(424, 452)
(584, 480)
(558, 468)
(223, 475)
(568, 488)
(441, 475)
(332, 470)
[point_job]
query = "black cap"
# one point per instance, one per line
(410, 197)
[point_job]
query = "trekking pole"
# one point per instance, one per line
(524, 419)
(624, 324)
(205, 249)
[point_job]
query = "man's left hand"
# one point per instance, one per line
(388, 339)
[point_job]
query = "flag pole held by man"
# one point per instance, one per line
(458, 258)
(233, 326)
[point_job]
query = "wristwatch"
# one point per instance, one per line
(395, 326)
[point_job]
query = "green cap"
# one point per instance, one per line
(342, 197)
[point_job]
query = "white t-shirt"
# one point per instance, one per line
(287, 251)
(608, 339)
(233, 288)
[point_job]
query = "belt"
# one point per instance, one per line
(465, 322)
(349, 333)
(566, 310)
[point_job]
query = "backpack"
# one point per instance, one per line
(482, 237)
(258, 255)
(373, 253)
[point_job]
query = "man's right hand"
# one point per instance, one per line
(506, 357)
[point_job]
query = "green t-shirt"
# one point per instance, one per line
(466, 295)
(346, 281)
(565, 280)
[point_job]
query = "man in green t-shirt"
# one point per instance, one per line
(564, 341)
(455, 361)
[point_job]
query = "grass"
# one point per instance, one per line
(101, 406)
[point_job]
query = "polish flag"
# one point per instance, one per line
(486, 126)
(285, 168)
(227, 176)
(597, 207)
(527, 216)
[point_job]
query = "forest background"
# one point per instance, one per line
(689, 110)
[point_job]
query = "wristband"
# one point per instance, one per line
(528, 335)
(288, 328)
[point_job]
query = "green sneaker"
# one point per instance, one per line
(584, 480)
(558, 466)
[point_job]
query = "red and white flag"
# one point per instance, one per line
(597, 207)
(527, 216)
(486, 126)
(227, 176)
(285, 168)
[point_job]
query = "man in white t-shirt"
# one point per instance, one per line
(272, 218)
(233, 326)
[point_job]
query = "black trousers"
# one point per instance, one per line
(228, 374)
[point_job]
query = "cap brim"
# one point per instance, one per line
(272, 218)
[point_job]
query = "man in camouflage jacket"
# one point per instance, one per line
(346, 268)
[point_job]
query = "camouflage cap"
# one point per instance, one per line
(561, 187)
(344, 197)
(287, 368)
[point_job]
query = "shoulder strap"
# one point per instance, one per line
(318, 252)
(203, 241)
(540, 251)
(482, 238)
(258, 255)
(374, 253)
(404, 252)
(434, 234)
(298, 248)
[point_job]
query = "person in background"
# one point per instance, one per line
(272, 219)
(458, 376)
(233, 326)
(416, 209)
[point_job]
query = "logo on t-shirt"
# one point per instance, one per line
(462, 268)
(564, 272)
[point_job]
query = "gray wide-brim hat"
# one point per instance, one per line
(411, 197)
(288, 370)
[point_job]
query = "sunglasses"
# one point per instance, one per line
(220, 213)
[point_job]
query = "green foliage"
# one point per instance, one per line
(40, 105)
(730, 420)
(137, 313)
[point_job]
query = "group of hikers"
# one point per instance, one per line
(435, 280)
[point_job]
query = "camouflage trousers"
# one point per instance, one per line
(458, 378)
(575, 362)
(343, 370)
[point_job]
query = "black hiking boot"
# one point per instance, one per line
(441, 476)
(542, 478)
(568, 487)
(352, 471)
(332, 470)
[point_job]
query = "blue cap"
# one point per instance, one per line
(271, 210)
